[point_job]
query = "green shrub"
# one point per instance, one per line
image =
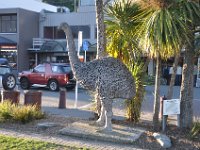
(134, 106)
(5, 110)
(23, 114)
(149, 80)
(195, 131)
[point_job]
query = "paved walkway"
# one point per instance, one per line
(69, 141)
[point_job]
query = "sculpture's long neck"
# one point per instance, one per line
(73, 58)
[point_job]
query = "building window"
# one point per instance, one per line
(54, 33)
(49, 32)
(87, 3)
(8, 23)
(84, 29)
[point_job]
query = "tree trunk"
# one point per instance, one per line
(186, 93)
(157, 95)
(170, 89)
(101, 40)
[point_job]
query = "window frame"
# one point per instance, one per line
(8, 23)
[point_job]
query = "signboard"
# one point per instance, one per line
(85, 45)
(171, 107)
(198, 73)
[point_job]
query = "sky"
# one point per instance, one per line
(33, 5)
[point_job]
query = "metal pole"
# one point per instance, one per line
(79, 45)
(164, 120)
(178, 120)
(85, 56)
(36, 59)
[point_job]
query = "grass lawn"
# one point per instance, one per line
(11, 143)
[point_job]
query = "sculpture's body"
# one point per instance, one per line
(107, 76)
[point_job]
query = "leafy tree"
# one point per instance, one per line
(67, 3)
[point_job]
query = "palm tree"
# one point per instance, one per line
(166, 30)
(190, 11)
(122, 43)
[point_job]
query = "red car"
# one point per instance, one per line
(49, 74)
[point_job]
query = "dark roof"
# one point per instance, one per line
(54, 46)
(5, 41)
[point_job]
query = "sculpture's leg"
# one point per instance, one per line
(108, 114)
(98, 104)
(101, 119)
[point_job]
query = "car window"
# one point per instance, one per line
(66, 68)
(39, 68)
(60, 69)
(57, 69)
(4, 70)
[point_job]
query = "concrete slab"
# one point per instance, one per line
(120, 133)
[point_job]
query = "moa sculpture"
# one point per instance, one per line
(108, 76)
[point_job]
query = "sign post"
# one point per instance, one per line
(85, 47)
(79, 45)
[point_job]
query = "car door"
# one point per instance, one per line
(38, 75)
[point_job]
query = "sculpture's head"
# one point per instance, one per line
(63, 26)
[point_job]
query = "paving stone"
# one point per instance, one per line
(120, 133)
(163, 140)
(46, 125)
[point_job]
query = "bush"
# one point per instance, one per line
(195, 131)
(149, 80)
(23, 114)
(5, 109)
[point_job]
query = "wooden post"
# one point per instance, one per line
(33, 98)
(62, 99)
(13, 96)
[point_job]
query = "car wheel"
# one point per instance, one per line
(9, 81)
(53, 85)
(24, 83)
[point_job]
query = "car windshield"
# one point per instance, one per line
(4, 70)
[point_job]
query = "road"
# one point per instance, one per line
(52, 98)
(148, 102)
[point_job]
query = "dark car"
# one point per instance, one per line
(3, 61)
(8, 80)
(49, 74)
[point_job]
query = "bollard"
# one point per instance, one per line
(13, 96)
(33, 98)
(62, 98)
